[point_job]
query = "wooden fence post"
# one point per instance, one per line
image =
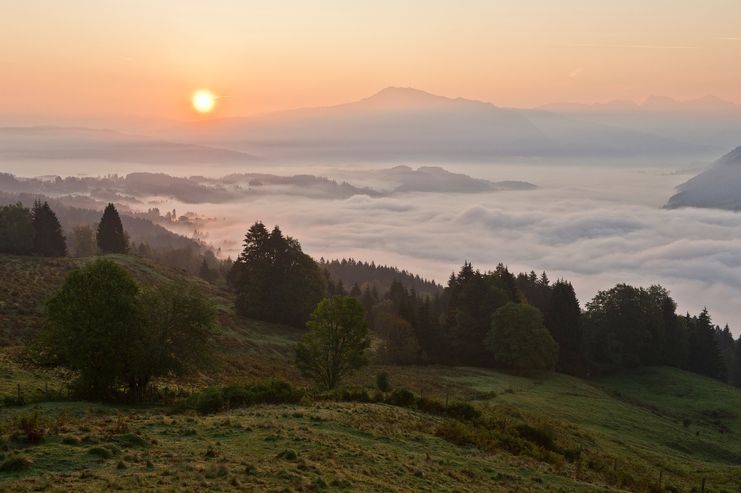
(19, 393)
(702, 486)
(661, 478)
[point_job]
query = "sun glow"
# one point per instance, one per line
(203, 101)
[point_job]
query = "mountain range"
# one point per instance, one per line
(413, 125)
(407, 125)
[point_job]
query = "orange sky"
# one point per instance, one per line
(138, 57)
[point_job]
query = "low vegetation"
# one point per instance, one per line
(233, 403)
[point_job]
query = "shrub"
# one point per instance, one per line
(131, 440)
(101, 452)
(33, 426)
(382, 382)
(401, 397)
(542, 436)
(462, 410)
(219, 398)
(288, 454)
(354, 395)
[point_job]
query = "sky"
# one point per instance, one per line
(145, 58)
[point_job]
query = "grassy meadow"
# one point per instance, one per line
(655, 429)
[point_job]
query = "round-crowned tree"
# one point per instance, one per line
(337, 341)
(94, 324)
(519, 340)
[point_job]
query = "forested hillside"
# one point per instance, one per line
(369, 276)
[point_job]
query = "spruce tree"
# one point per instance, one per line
(563, 320)
(274, 280)
(704, 355)
(736, 373)
(111, 236)
(48, 238)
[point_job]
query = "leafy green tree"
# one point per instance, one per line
(400, 345)
(111, 235)
(563, 319)
(337, 342)
(84, 241)
(178, 323)
(274, 279)
(16, 230)
(519, 340)
(48, 238)
(94, 326)
(119, 337)
(626, 327)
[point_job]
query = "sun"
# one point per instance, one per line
(203, 101)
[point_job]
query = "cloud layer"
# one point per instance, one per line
(594, 227)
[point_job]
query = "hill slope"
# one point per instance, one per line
(609, 434)
(717, 187)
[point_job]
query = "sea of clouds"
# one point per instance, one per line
(594, 226)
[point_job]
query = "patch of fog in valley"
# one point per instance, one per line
(595, 226)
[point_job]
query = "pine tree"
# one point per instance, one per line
(736, 374)
(704, 356)
(111, 236)
(274, 280)
(206, 273)
(563, 320)
(48, 238)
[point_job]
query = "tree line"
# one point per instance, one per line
(37, 231)
(520, 322)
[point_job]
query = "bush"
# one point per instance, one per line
(354, 395)
(458, 410)
(401, 397)
(219, 398)
(462, 410)
(541, 436)
(33, 426)
(382, 382)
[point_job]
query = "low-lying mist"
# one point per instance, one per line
(595, 226)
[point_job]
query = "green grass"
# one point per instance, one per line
(628, 428)
(335, 446)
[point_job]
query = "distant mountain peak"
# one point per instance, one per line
(402, 97)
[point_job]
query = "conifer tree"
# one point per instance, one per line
(563, 320)
(704, 355)
(736, 373)
(274, 280)
(48, 238)
(111, 236)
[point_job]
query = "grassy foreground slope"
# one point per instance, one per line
(629, 430)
